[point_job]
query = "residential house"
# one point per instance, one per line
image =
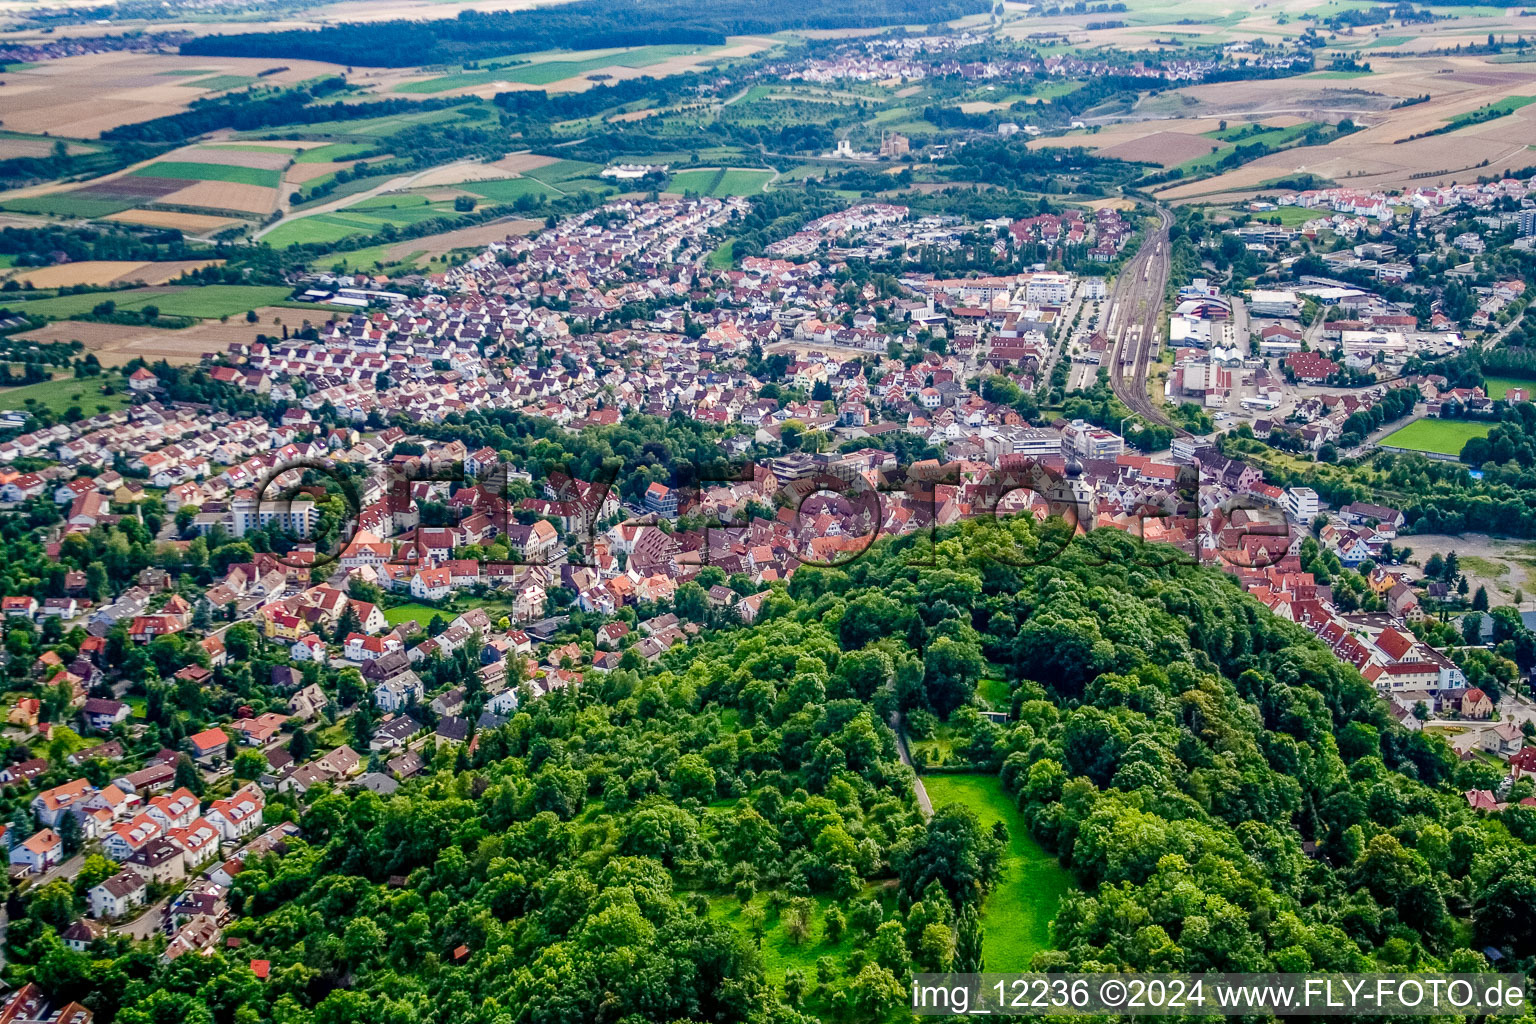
(239, 815)
(38, 853)
(118, 895)
(208, 744)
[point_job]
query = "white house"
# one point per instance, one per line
(239, 815)
(118, 895)
(39, 853)
(398, 693)
(432, 584)
(126, 838)
(309, 648)
(175, 810)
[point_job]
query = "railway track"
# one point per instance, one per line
(1138, 306)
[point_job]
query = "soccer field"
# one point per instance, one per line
(1442, 437)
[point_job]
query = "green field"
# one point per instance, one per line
(779, 950)
(505, 190)
(1290, 216)
(1017, 915)
(994, 691)
(247, 147)
(216, 300)
(189, 171)
(422, 613)
(364, 128)
(333, 151)
(209, 301)
(59, 395)
(724, 256)
(320, 229)
(367, 217)
(1443, 437)
(1338, 74)
(1491, 112)
(220, 83)
(459, 80)
(720, 182)
(545, 72)
(68, 204)
(1056, 90)
(1498, 386)
(1274, 137)
(341, 190)
(364, 259)
(563, 170)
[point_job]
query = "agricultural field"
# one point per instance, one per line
(81, 97)
(509, 190)
(1018, 912)
(567, 70)
(206, 180)
(1165, 149)
(1436, 436)
(563, 170)
(221, 83)
(1448, 136)
(193, 224)
(333, 151)
(1233, 138)
(1492, 112)
(208, 301)
(367, 217)
(362, 130)
(116, 344)
(188, 171)
(720, 181)
(413, 252)
(106, 272)
(18, 144)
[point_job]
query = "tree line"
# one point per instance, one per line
(585, 25)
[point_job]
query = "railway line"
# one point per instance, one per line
(1138, 307)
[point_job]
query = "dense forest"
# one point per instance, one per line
(1227, 795)
(584, 25)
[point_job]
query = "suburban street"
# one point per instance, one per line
(149, 923)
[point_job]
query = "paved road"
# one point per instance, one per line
(148, 924)
(66, 869)
(923, 803)
(1517, 709)
(1064, 334)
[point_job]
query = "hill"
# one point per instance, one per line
(729, 835)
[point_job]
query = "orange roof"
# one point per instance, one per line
(208, 739)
